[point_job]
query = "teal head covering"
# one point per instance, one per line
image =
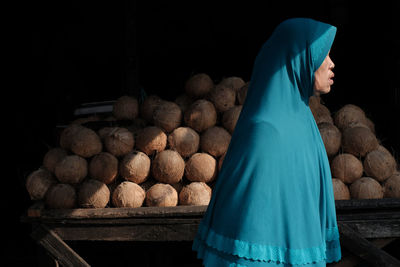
(273, 199)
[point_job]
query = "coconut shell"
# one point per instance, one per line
(366, 188)
(222, 97)
(67, 134)
(358, 141)
(126, 108)
(340, 190)
(148, 106)
(168, 167)
(38, 183)
(230, 118)
(233, 82)
(195, 193)
(183, 101)
(86, 143)
(331, 137)
(321, 113)
(61, 196)
(128, 194)
(201, 115)
(71, 169)
(104, 167)
(161, 195)
(201, 167)
(168, 116)
(52, 157)
(392, 186)
(135, 167)
(242, 93)
(349, 114)
(370, 125)
(379, 165)
(104, 132)
(314, 101)
(151, 140)
(185, 141)
(347, 168)
(119, 142)
(199, 85)
(215, 141)
(93, 194)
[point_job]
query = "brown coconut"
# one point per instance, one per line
(349, 114)
(161, 195)
(168, 167)
(331, 136)
(148, 106)
(201, 167)
(366, 188)
(61, 196)
(370, 124)
(128, 194)
(178, 186)
(104, 132)
(358, 141)
(119, 142)
(201, 115)
(184, 140)
(93, 194)
(126, 108)
(52, 157)
(183, 101)
(104, 167)
(71, 169)
(195, 193)
(241, 94)
(151, 139)
(136, 125)
(314, 101)
(215, 141)
(67, 134)
(86, 143)
(150, 181)
(233, 82)
(392, 186)
(221, 161)
(198, 85)
(340, 190)
(135, 167)
(38, 183)
(230, 118)
(222, 97)
(321, 113)
(379, 165)
(347, 168)
(168, 116)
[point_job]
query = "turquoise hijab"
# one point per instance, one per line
(273, 199)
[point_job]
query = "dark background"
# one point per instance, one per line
(74, 52)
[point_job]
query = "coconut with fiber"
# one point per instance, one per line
(148, 106)
(233, 82)
(201, 167)
(52, 157)
(67, 134)
(331, 137)
(215, 141)
(314, 101)
(104, 132)
(366, 188)
(135, 167)
(151, 139)
(358, 141)
(340, 190)
(321, 113)
(242, 93)
(168, 116)
(201, 115)
(85, 142)
(104, 167)
(223, 97)
(93, 194)
(161, 195)
(379, 165)
(38, 183)
(195, 193)
(185, 141)
(347, 168)
(71, 169)
(183, 101)
(61, 196)
(198, 85)
(126, 108)
(230, 118)
(347, 115)
(119, 141)
(168, 166)
(392, 186)
(128, 194)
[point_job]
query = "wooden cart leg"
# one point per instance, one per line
(56, 247)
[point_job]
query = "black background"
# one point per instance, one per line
(68, 53)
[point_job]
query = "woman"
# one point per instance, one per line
(273, 202)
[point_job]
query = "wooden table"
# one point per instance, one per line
(365, 227)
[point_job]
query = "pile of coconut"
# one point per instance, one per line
(361, 167)
(154, 153)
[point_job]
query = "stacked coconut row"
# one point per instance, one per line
(361, 167)
(156, 153)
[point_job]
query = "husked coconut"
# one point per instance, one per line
(183, 101)
(135, 167)
(71, 169)
(370, 124)
(221, 161)
(242, 93)
(86, 143)
(104, 167)
(358, 141)
(331, 137)
(168, 116)
(104, 132)
(201, 115)
(314, 101)
(126, 108)
(38, 182)
(348, 114)
(366, 188)
(148, 106)
(347, 168)
(52, 157)
(199, 85)
(168, 167)
(340, 190)
(128, 194)
(230, 118)
(215, 141)
(119, 142)
(201, 167)
(161, 195)
(184, 140)
(136, 125)
(233, 82)
(321, 113)
(151, 139)
(195, 193)
(67, 134)
(61, 196)
(222, 97)
(392, 186)
(379, 165)
(93, 194)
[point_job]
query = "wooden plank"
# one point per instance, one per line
(359, 204)
(56, 247)
(375, 228)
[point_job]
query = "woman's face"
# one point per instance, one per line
(323, 77)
